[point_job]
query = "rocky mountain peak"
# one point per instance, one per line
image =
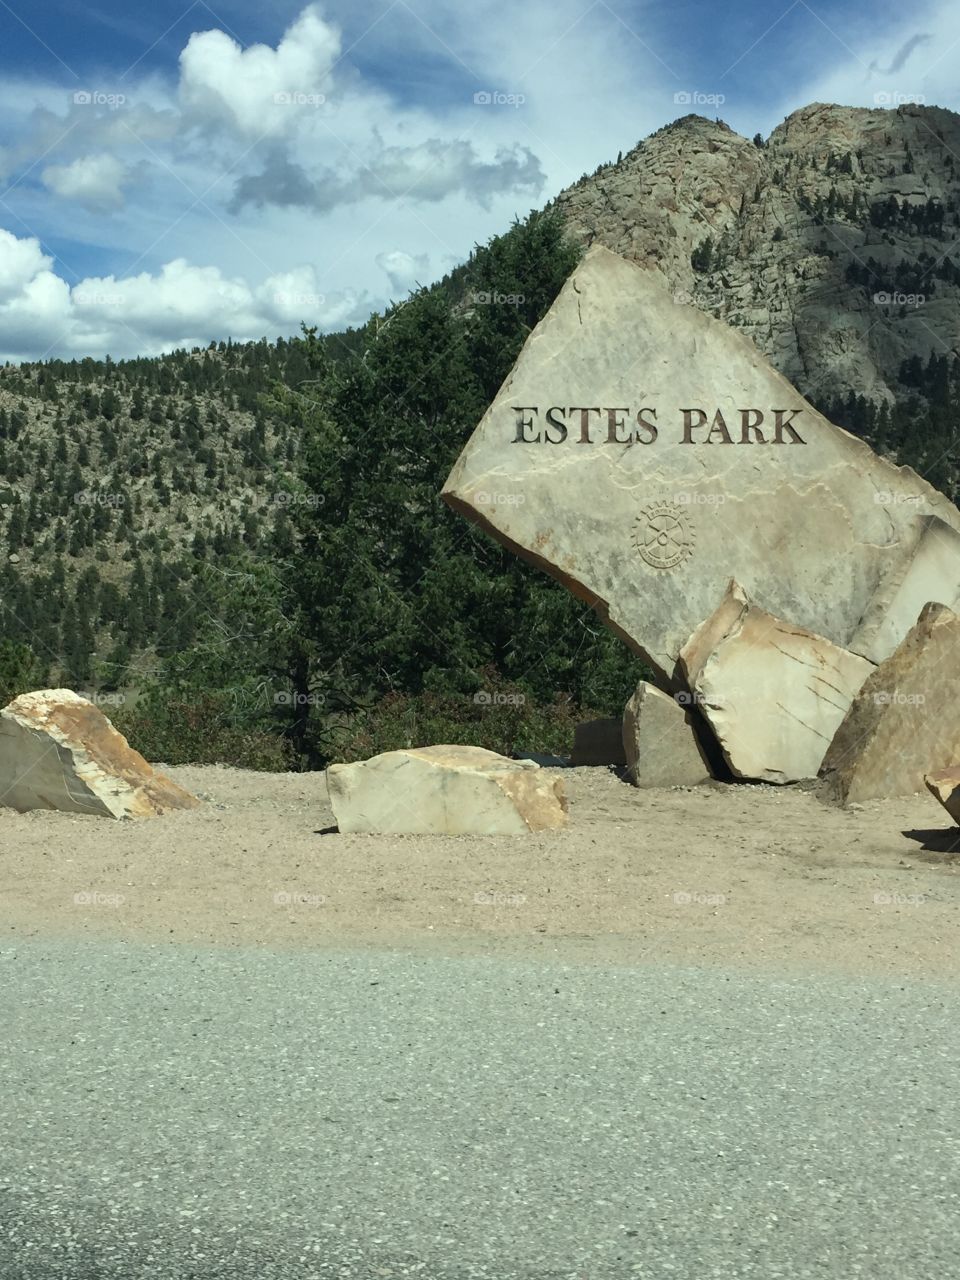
(831, 244)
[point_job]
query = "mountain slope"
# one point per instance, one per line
(791, 240)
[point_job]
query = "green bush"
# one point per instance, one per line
(199, 729)
(500, 718)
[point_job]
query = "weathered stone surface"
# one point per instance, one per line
(598, 742)
(59, 751)
(905, 721)
(650, 530)
(945, 785)
(773, 693)
(445, 790)
(660, 742)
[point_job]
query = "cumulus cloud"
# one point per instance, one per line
(405, 271)
(93, 181)
(257, 91)
(20, 262)
(181, 305)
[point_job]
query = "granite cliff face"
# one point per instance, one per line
(798, 241)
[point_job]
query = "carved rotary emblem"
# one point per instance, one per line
(663, 535)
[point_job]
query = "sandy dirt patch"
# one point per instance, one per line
(744, 875)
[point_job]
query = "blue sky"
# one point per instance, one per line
(175, 173)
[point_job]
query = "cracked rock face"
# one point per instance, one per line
(905, 721)
(59, 751)
(643, 454)
(774, 694)
(445, 790)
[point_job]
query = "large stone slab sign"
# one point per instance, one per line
(644, 454)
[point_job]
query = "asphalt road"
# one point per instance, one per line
(168, 1113)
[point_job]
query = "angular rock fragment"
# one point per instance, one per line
(773, 693)
(905, 721)
(59, 751)
(945, 785)
(445, 790)
(660, 741)
(644, 453)
(598, 742)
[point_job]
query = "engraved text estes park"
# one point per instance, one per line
(591, 424)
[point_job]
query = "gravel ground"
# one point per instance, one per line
(740, 875)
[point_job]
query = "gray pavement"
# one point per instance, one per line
(168, 1113)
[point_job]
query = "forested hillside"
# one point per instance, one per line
(250, 538)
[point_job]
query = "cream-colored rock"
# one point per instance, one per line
(59, 751)
(445, 790)
(660, 742)
(773, 693)
(945, 785)
(626, 456)
(905, 721)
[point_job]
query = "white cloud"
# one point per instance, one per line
(20, 262)
(404, 270)
(93, 181)
(181, 305)
(258, 91)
